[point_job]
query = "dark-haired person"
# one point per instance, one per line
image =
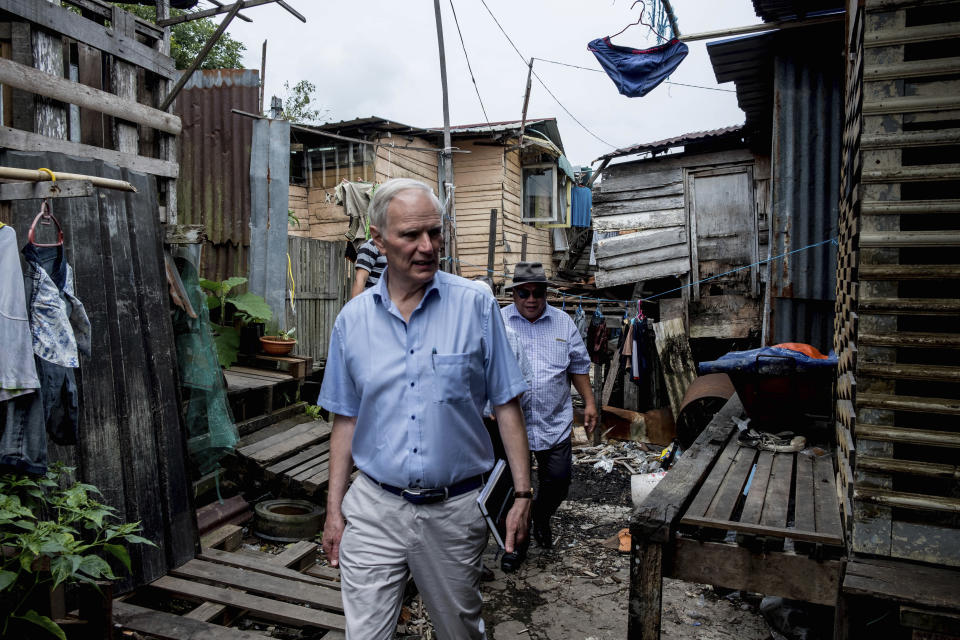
(558, 356)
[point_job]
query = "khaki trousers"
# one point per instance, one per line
(387, 539)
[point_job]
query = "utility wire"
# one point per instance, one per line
(540, 80)
(462, 44)
(679, 84)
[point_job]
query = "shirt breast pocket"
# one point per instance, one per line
(455, 375)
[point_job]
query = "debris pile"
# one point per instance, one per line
(633, 457)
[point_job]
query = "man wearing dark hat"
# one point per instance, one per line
(558, 356)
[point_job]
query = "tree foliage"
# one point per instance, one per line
(188, 38)
(299, 103)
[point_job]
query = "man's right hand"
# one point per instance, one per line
(332, 532)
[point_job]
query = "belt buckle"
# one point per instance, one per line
(424, 496)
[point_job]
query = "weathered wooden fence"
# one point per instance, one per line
(130, 443)
(322, 275)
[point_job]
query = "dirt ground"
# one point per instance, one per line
(579, 589)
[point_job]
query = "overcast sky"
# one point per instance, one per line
(380, 58)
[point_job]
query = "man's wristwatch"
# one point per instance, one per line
(527, 495)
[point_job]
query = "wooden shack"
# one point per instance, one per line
(496, 182)
(362, 150)
(681, 217)
(489, 170)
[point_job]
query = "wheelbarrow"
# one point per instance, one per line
(780, 388)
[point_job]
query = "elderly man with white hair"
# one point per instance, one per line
(412, 361)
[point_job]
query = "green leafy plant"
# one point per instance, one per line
(313, 411)
(292, 220)
(246, 308)
(286, 335)
(51, 535)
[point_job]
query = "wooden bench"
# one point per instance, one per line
(737, 517)
(255, 392)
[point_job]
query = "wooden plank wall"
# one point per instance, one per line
(321, 218)
(122, 74)
(898, 284)
(322, 275)
(131, 444)
(646, 199)
(489, 178)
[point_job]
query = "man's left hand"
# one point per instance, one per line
(518, 520)
(590, 417)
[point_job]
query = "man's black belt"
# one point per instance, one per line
(430, 496)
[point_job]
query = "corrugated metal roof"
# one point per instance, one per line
(678, 141)
(747, 61)
(374, 123)
(777, 10)
(214, 184)
(493, 127)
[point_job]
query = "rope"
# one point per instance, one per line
(679, 84)
(831, 240)
(469, 68)
(53, 178)
(540, 80)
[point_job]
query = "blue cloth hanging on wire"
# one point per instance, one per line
(582, 203)
(636, 72)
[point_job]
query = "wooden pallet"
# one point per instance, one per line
(898, 404)
(787, 495)
(294, 456)
(256, 584)
(256, 392)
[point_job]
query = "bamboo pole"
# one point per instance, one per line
(35, 175)
(766, 26)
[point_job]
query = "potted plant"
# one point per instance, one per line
(53, 533)
(278, 343)
(245, 308)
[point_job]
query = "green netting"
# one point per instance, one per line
(211, 433)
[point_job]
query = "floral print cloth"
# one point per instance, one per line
(58, 321)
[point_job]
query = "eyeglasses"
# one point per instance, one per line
(539, 292)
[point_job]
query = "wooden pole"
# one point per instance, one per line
(33, 175)
(492, 242)
(596, 174)
(766, 26)
(446, 156)
(526, 101)
(263, 75)
(212, 40)
(671, 17)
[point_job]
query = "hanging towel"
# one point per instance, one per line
(580, 207)
(636, 72)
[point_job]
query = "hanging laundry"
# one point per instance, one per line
(580, 321)
(355, 198)
(580, 207)
(636, 72)
(597, 338)
(18, 373)
(61, 332)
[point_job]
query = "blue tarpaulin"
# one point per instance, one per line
(766, 358)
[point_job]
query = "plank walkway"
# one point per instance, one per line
(284, 588)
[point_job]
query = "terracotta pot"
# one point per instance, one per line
(275, 346)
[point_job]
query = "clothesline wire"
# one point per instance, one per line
(831, 240)
(469, 68)
(679, 84)
(540, 80)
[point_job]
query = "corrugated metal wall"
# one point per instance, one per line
(214, 185)
(808, 120)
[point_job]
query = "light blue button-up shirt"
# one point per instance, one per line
(417, 388)
(555, 349)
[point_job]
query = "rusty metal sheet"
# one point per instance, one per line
(214, 184)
